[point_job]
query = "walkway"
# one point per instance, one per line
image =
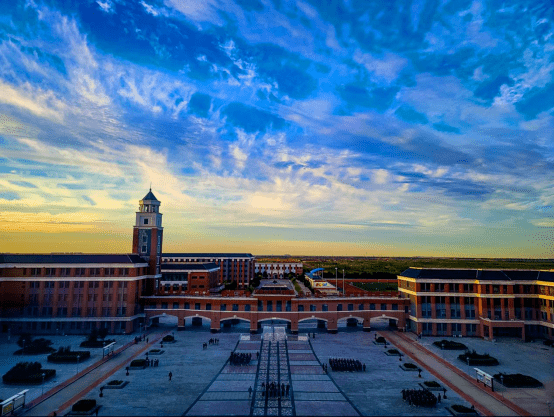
(485, 401)
(66, 394)
(278, 359)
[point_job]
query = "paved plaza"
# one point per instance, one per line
(514, 356)
(63, 371)
(204, 382)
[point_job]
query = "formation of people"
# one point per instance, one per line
(347, 365)
(419, 397)
(240, 358)
(274, 390)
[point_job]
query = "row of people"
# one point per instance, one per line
(240, 358)
(349, 365)
(273, 390)
(419, 397)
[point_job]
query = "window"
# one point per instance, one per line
(66, 272)
(223, 307)
(235, 307)
(300, 307)
(197, 306)
(108, 284)
(175, 306)
(279, 306)
(164, 306)
(350, 307)
(325, 307)
(144, 221)
(383, 306)
(209, 306)
(123, 272)
(175, 287)
(35, 272)
(94, 272)
(187, 306)
(339, 307)
(260, 305)
(372, 306)
(360, 306)
(395, 306)
(49, 272)
(313, 307)
(288, 306)
(167, 287)
(269, 305)
(247, 307)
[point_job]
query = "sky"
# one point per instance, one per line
(356, 127)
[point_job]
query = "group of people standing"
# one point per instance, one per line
(419, 397)
(274, 390)
(240, 358)
(347, 365)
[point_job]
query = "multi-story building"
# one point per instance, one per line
(476, 302)
(73, 293)
(193, 279)
(67, 293)
(233, 267)
(279, 269)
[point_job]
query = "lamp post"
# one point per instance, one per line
(43, 375)
(78, 360)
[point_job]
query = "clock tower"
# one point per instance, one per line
(148, 235)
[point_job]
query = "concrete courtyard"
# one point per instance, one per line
(204, 383)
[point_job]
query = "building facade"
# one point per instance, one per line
(475, 302)
(74, 293)
(233, 267)
(279, 269)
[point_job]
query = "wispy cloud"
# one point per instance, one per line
(282, 120)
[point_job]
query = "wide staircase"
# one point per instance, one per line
(273, 370)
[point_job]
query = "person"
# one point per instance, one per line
(249, 392)
(170, 375)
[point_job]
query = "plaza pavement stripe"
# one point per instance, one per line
(502, 406)
(35, 410)
(211, 382)
(333, 381)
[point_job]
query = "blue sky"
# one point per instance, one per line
(269, 126)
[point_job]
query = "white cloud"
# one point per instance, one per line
(386, 68)
(42, 103)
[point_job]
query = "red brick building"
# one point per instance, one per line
(476, 302)
(73, 293)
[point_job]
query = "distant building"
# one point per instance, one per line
(279, 269)
(237, 267)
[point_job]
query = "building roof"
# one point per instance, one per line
(189, 267)
(150, 196)
(207, 255)
(70, 258)
(479, 274)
